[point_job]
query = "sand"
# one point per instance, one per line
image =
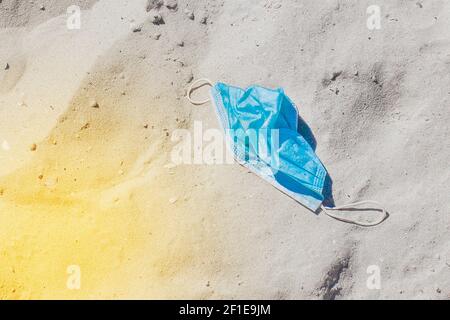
(87, 120)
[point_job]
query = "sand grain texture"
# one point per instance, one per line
(100, 104)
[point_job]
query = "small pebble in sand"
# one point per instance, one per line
(335, 75)
(189, 77)
(189, 14)
(154, 4)
(156, 36)
(157, 19)
(41, 176)
(94, 104)
(374, 79)
(180, 43)
(51, 182)
(42, 8)
(170, 166)
(171, 4)
(2, 191)
(173, 200)
(6, 66)
(203, 18)
(137, 29)
(33, 147)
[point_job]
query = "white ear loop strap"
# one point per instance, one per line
(195, 85)
(351, 206)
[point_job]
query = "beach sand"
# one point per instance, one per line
(87, 117)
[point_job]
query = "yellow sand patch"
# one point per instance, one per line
(74, 208)
(44, 233)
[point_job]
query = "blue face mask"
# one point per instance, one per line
(262, 130)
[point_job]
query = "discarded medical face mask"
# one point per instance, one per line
(261, 127)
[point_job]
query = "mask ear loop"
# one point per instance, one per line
(351, 206)
(195, 85)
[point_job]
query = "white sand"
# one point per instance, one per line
(139, 229)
